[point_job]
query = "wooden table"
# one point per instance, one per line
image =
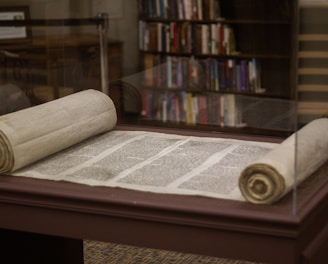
(63, 214)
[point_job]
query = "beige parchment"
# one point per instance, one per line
(269, 178)
(34, 133)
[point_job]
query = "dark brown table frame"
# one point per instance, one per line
(63, 214)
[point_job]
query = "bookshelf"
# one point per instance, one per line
(204, 62)
(312, 62)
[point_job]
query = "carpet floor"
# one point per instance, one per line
(108, 253)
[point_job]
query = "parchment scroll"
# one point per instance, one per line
(269, 178)
(34, 133)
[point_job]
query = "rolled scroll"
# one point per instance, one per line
(269, 178)
(34, 133)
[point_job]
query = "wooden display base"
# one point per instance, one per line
(222, 228)
(21, 247)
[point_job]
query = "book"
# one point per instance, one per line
(148, 65)
(230, 110)
(152, 34)
(189, 109)
(202, 109)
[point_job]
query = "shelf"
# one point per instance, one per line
(225, 56)
(313, 37)
(313, 88)
(313, 108)
(204, 91)
(313, 4)
(212, 128)
(313, 54)
(314, 71)
(221, 20)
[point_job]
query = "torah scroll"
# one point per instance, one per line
(34, 133)
(270, 177)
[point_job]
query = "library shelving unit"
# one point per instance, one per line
(312, 61)
(219, 64)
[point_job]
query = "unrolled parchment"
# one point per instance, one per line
(34, 133)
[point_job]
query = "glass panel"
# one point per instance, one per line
(174, 106)
(227, 71)
(311, 141)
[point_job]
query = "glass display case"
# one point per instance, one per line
(219, 132)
